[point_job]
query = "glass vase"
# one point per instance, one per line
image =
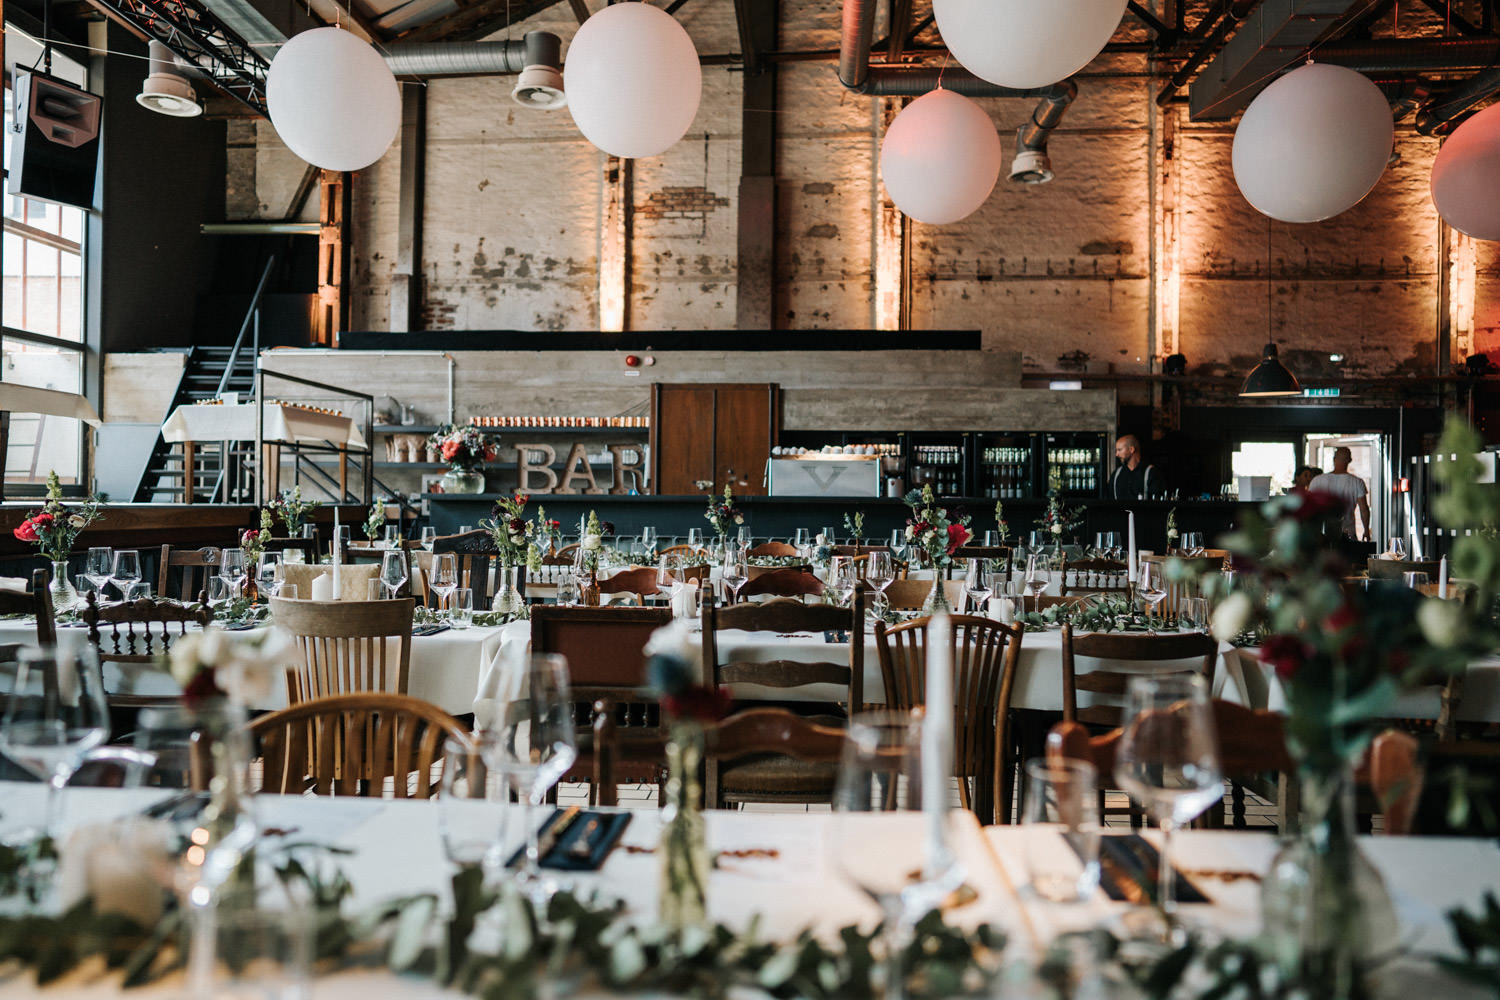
(937, 597)
(1325, 910)
(507, 598)
(64, 595)
(463, 481)
(683, 850)
(219, 751)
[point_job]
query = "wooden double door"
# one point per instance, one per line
(718, 432)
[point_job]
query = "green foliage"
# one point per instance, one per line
(375, 520)
(1479, 937)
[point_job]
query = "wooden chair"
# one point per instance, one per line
(37, 603)
(139, 632)
(477, 562)
(638, 580)
(753, 733)
(605, 648)
(1396, 569)
(1162, 654)
(1092, 576)
(984, 654)
(196, 565)
(350, 744)
(1003, 553)
(779, 780)
(910, 595)
(1251, 742)
(343, 646)
(778, 549)
(1416, 787)
(787, 582)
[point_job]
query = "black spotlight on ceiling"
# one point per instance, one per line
(1270, 377)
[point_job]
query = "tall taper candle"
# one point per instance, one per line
(1130, 529)
(1443, 578)
(338, 557)
(937, 741)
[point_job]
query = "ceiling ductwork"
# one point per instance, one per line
(167, 90)
(1031, 165)
(537, 58)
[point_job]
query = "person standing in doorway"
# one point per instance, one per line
(1305, 475)
(1135, 478)
(1351, 490)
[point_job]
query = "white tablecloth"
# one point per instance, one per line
(396, 849)
(237, 423)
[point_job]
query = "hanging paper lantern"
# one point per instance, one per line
(1466, 176)
(940, 158)
(632, 80)
(333, 100)
(1026, 43)
(1312, 144)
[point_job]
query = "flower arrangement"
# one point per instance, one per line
(245, 667)
(292, 510)
(1058, 518)
(547, 533)
(1002, 527)
(590, 544)
(512, 533)
(253, 541)
(464, 447)
(932, 529)
(854, 524)
(55, 527)
(1172, 533)
(822, 550)
(375, 521)
(722, 514)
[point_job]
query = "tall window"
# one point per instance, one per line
(42, 265)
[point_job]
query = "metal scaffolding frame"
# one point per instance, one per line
(202, 39)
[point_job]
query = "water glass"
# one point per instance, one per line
(471, 814)
(567, 590)
(1415, 579)
(461, 608)
(1192, 614)
(237, 952)
(1061, 829)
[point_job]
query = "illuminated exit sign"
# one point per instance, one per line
(1324, 392)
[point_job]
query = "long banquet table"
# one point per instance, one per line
(395, 849)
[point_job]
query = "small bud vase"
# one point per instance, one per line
(683, 849)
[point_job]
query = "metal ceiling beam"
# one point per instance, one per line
(1445, 12)
(201, 39)
(472, 22)
(580, 9)
(900, 24)
(749, 50)
(1258, 51)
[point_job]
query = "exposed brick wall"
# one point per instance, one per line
(679, 203)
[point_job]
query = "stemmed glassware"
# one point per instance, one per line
(535, 748)
(1150, 587)
(268, 574)
(734, 573)
(695, 537)
(99, 567)
(648, 542)
(444, 577)
(1192, 543)
(232, 568)
(393, 572)
(801, 541)
(126, 571)
(55, 712)
(429, 535)
(880, 572)
(843, 577)
(1168, 760)
(1037, 578)
(978, 582)
(1398, 547)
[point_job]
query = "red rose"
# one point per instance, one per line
(700, 703)
(26, 532)
(1286, 653)
(450, 448)
(1316, 504)
(957, 535)
(250, 537)
(1344, 617)
(201, 688)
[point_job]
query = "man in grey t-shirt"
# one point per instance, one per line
(1349, 489)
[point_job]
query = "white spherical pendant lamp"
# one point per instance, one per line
(940, 158)
(632, 80)
(333, 100)
(1466, 176)
(1313, 144)
(1026, 43)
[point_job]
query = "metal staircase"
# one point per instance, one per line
(208, 372)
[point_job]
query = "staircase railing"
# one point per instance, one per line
(251, 320)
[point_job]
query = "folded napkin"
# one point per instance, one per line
(1128, 871)
(584, 844)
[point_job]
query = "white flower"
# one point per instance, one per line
(911, 532)
(1171, 532)
(592, 541)
(77, 521)
(1057, 529)
(1440, 621)
(679, 639)
(118, 866)
(1231, 617)
(821, 541)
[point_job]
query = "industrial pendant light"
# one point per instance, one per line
(1270, 377)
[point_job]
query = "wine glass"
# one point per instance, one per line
(55, 712)
(1192, 543)
(429, 535)
(444, 576)
(648, 541)
(1415, 579)
(1168, 760)
(1398, 548)
(126, 571)
(393, 572)
(99, 567)
(978, 582)
(1151, 589)
(881, 773)
(232, 568)
(695, 537)
(1037, 578)
(801, 540)
(393, 536)
(880, 572)
(843, 576)
(535, 748)
(268, 574)
(734, 572)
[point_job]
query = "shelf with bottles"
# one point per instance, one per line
(1006, 466)
(1079, 461)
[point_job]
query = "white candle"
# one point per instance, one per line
(937, 741)
(1443, 578)
(1130, 531)
(322, 587)
(338, 557)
